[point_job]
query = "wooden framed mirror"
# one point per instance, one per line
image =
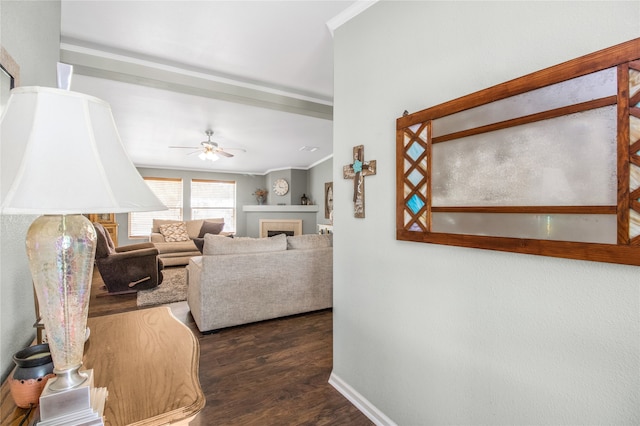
(547, 164)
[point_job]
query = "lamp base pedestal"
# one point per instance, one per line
(82, 405)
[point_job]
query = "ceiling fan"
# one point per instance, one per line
(209, 150)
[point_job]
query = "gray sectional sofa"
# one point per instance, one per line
(242, 280)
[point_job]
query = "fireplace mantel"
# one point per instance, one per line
(271, 208)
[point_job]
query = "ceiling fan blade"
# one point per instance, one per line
(185, 147)
(224, 154)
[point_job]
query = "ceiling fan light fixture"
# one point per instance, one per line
(208, 154)
(209, 150)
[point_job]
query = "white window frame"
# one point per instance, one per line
(211, 206)
(174, 201)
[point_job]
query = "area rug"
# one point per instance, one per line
(172, 289)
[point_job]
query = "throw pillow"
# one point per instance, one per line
(173, 232)
(159, 222)
(310, 241)
(219, 244)
(210, 228)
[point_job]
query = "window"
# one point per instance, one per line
(212, 199)
(169, 191)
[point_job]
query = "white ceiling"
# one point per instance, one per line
(258, 73)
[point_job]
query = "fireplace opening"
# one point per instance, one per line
(287, 233)
(270, 227)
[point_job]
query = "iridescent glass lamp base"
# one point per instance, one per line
(61, 249)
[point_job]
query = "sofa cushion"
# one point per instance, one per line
(219, 244)
(309, 241)
(209, 227)
(177, 247)
(173, 232)
(193, 226)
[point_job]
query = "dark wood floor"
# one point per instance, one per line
(269, 373)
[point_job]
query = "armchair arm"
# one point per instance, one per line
(135, 254)
(132, 247)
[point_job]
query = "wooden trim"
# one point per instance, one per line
(162, 178)
(212, 181)
(610, 253)
(400, 202)
(545, 115)
(623, 154)
(597, 61)
(529, 209)
(634, 65)
(429, 180)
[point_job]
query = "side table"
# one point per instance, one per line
(147, 360)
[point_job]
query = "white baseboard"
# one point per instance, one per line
(361, 403)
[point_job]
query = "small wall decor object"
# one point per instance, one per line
(357, 171)
(328, 199)
(261, 195)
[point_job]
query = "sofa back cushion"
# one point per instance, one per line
(104, 244)
(309, 241)
(220, 245)
(210, 227)
(193, 226)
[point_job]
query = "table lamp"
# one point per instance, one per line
(61, 157)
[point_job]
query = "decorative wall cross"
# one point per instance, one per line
(357, 171)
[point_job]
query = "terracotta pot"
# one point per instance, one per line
(34, 367)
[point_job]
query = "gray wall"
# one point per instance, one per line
(245, 185)
(432, 334)
(30, 32)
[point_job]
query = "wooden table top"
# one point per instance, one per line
(147, 360)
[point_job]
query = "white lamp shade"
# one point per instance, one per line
(61, 154)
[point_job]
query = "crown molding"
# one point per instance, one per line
(349, 13)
